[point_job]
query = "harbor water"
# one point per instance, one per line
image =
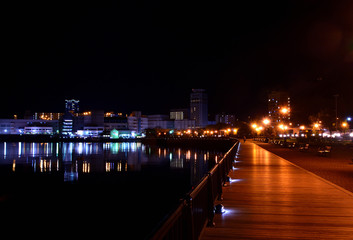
(121, 187)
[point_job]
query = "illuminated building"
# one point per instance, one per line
(160, 121)
(279, 107)
(184, 124)
(225, 118)
(47, 116)
(199, 107)
(38, 130)
(67, 124)
(179, 114)
(117, 123)
(137, 122)
(72, 106)
(26, 126)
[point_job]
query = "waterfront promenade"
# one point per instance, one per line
(271, 198)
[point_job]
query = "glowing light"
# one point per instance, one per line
(284, 110)
(14, 165)
(266, 121)
(235, 180)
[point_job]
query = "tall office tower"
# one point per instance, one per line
(279, 107)
(199, 107)
(72, 106)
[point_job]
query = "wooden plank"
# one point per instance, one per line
(269, 198)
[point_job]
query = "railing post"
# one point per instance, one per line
(189, 219)
(210, 222)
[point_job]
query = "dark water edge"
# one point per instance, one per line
(105, 204)
(113, 205)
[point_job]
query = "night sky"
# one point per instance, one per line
(148, 56)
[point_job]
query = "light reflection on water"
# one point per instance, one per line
(73, 159)
(129, 179)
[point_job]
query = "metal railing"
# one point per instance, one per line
(196, 210)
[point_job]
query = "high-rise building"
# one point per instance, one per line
(199, 107)
(225, 118)
(72, 106)
(279, 107)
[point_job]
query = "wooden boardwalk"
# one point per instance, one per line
(270, 198)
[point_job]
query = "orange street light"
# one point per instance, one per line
(266, 121)
(284, 110)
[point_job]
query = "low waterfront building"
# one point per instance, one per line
(137, 122)
(28, 126)
(160, 121)
(184, 124)
(38, 130)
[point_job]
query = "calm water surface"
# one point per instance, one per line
(122, 187)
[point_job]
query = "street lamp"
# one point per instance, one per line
(284, 110)
(344, 126)
(266, 121)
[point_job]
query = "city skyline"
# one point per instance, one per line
(128, 56)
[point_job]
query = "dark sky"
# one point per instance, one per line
(148, 56)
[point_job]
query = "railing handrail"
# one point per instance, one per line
(184, 211)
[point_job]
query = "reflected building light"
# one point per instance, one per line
(57, 150)
(41, 165)
(34, 165)
(86, 167)
(19, 149)
(188, 155)
(44, 165)
(4, 150)
(33, 150)
(195, 156)
(118, 167)
(133, 147)
(80, 148)
(125, 167)
(115, 148)
(177, 163)
(70, 176)
(124, 146)
(57, 165)
(107, 166)
(170, 156)
(14, 165)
